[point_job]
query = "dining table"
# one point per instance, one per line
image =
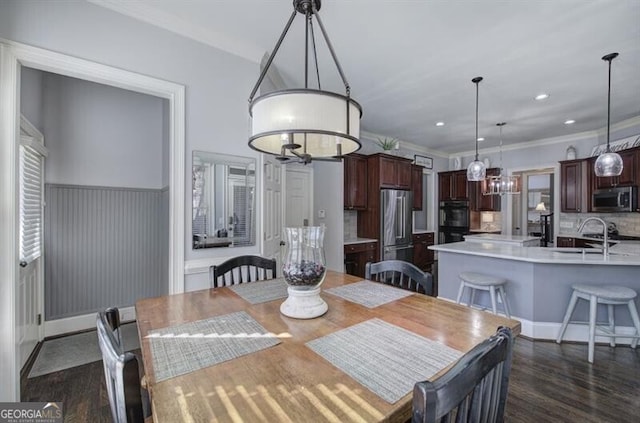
(295, 376)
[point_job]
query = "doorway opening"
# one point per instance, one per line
(532, 214)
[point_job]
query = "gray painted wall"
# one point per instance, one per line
(31, 96)
(100, 135)
(328, 196)
(217, 83)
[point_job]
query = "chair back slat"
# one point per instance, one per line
(400, 274)
(473, 390)
(121, 371)
(242, 269)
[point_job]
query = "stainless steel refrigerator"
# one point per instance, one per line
(396, 225)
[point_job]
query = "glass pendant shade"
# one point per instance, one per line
(609, 164)
(476, 171)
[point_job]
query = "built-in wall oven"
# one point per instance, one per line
(454, 221)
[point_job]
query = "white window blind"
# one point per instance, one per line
(30, 204)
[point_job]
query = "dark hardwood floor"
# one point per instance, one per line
(549, 383)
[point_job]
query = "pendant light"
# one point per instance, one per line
(304, 124)
(609, 163)
(501, 184)
(476, 171)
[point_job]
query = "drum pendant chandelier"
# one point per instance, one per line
(305, 124)
(476, 171)
(609, 163)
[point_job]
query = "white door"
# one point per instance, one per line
(272, 197)
(30, 283)
(299, 196)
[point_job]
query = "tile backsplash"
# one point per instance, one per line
(627, 223)
(350, 224)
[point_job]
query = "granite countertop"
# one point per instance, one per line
(421, 231)
(486, 231)
(623, 254)
(358, 241)
(596, 236)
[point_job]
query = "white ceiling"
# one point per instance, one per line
(410, 62)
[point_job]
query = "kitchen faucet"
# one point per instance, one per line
(605, 232)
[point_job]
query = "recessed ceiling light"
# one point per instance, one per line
(480, 139)
(569, 122)
(439, 123)
(542, 96)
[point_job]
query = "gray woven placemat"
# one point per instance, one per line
(262, 291)
(386, 359)
(369, 294)
(192, 346)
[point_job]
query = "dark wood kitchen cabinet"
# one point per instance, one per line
(355, 182)
(416, 186)
(356, 256)
(422, 256)
(390, 171)
(480, 202)
(453, 185)
(574, 186)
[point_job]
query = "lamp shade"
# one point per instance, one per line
(540, 207)
(608, 164)
(315, 120)
(476, 171)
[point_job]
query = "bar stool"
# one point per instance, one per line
(478, 281)
(611, 295)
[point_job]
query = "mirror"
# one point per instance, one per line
(223, 196)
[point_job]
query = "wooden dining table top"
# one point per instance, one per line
(289, 382)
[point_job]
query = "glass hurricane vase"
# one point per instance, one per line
(304, 270)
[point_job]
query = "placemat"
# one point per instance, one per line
(369, 294)
(385, 358)
(188, 347)
(262, 291)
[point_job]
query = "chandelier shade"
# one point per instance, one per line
(476, 171)
(609, 163)
(305, 124)
(501, 184)
(296, 122)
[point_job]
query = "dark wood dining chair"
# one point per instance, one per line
(242, 269)
(473, 390)
(401, 274)
(129, 402)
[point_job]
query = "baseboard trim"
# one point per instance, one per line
(67, 325)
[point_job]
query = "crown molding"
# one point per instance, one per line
(151, 15)
(629, 123)
(371, 136)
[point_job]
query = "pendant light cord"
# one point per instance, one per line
(609, 58)
(476, 81)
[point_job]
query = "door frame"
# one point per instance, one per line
(13, 56)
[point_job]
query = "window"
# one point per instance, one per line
(30, 204)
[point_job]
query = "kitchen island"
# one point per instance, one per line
(540, 279)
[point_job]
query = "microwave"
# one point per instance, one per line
(619, 199)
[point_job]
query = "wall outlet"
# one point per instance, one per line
(322, 214)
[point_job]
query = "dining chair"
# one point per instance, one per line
(401, 274)
(128, 401)
(242, 269)
(473, 390)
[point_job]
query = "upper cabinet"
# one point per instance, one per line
(453, 185)
(389, 171)
(416, 186)
(481, 202)
(573, 186)
(355, 182)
